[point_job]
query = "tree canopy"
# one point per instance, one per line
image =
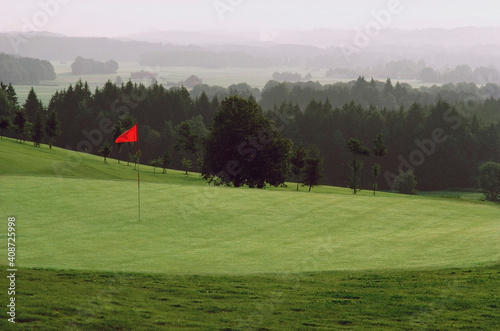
(244, 147)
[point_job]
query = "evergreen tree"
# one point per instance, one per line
(312, 169)
(186, 143)
(356, 148)
(379, 150)
(5, 123)
(298, 162)
(37, 133)
(19, 123)
(32, 106)
(52, 126)
(166, 159)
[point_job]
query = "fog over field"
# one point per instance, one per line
(330, 34)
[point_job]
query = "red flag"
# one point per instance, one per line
(128, 136)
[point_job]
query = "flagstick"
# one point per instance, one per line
(138, 181)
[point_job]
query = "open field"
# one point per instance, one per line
(255, 77)
(205, 257)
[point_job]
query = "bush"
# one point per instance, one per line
(489, 180)
(405, 183)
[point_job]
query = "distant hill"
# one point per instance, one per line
(323, 48)
(23, 70)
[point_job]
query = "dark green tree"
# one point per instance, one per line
(166, 159)
(37, 132)
(297, 162)
(32, 106)
(406, 183)
(28, 130)
(186, 143)
(313, 171)
(19, 123)
(156, 163)
(379, 150)
(105, 150)
(244, 147)
(52, 126)
(489, 180)
(356, 148)
(5, 123)
(117, 131)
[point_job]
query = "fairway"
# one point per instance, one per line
(187, 227)
(215, 258)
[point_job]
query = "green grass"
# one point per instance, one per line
(206, 257)
(69, 222)
(429, 299)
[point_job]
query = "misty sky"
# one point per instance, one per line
(114, 18)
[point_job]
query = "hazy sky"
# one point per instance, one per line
(124, 17)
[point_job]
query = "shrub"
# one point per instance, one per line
(489, 180)
(405, 183)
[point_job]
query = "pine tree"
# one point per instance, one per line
(52, 126)
(32, 106)
(19, 123)
(37, 133)
(379, 149)
(357, 148)
(312, 169)
(298, 162)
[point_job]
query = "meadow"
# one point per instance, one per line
(255, 77)
(207, 257)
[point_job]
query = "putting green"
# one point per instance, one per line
(198, 229)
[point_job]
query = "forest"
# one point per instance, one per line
(24, 70)
(442, 133)
(83, 66)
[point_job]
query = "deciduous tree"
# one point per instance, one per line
(244, 147)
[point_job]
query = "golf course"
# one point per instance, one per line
(204, 257)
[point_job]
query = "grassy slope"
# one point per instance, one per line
(70, 223)
(443, 299)
(86, 220)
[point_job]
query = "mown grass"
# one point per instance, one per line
(215, 258)
(428, 299)
(81, 223)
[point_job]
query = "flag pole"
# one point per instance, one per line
(138, 181)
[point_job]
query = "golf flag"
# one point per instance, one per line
(128, 136)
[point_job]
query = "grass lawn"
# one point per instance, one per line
(428, 299)
(205, 257)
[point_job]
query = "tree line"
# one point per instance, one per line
(25, 70)
(442, 143)
(83, 66)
